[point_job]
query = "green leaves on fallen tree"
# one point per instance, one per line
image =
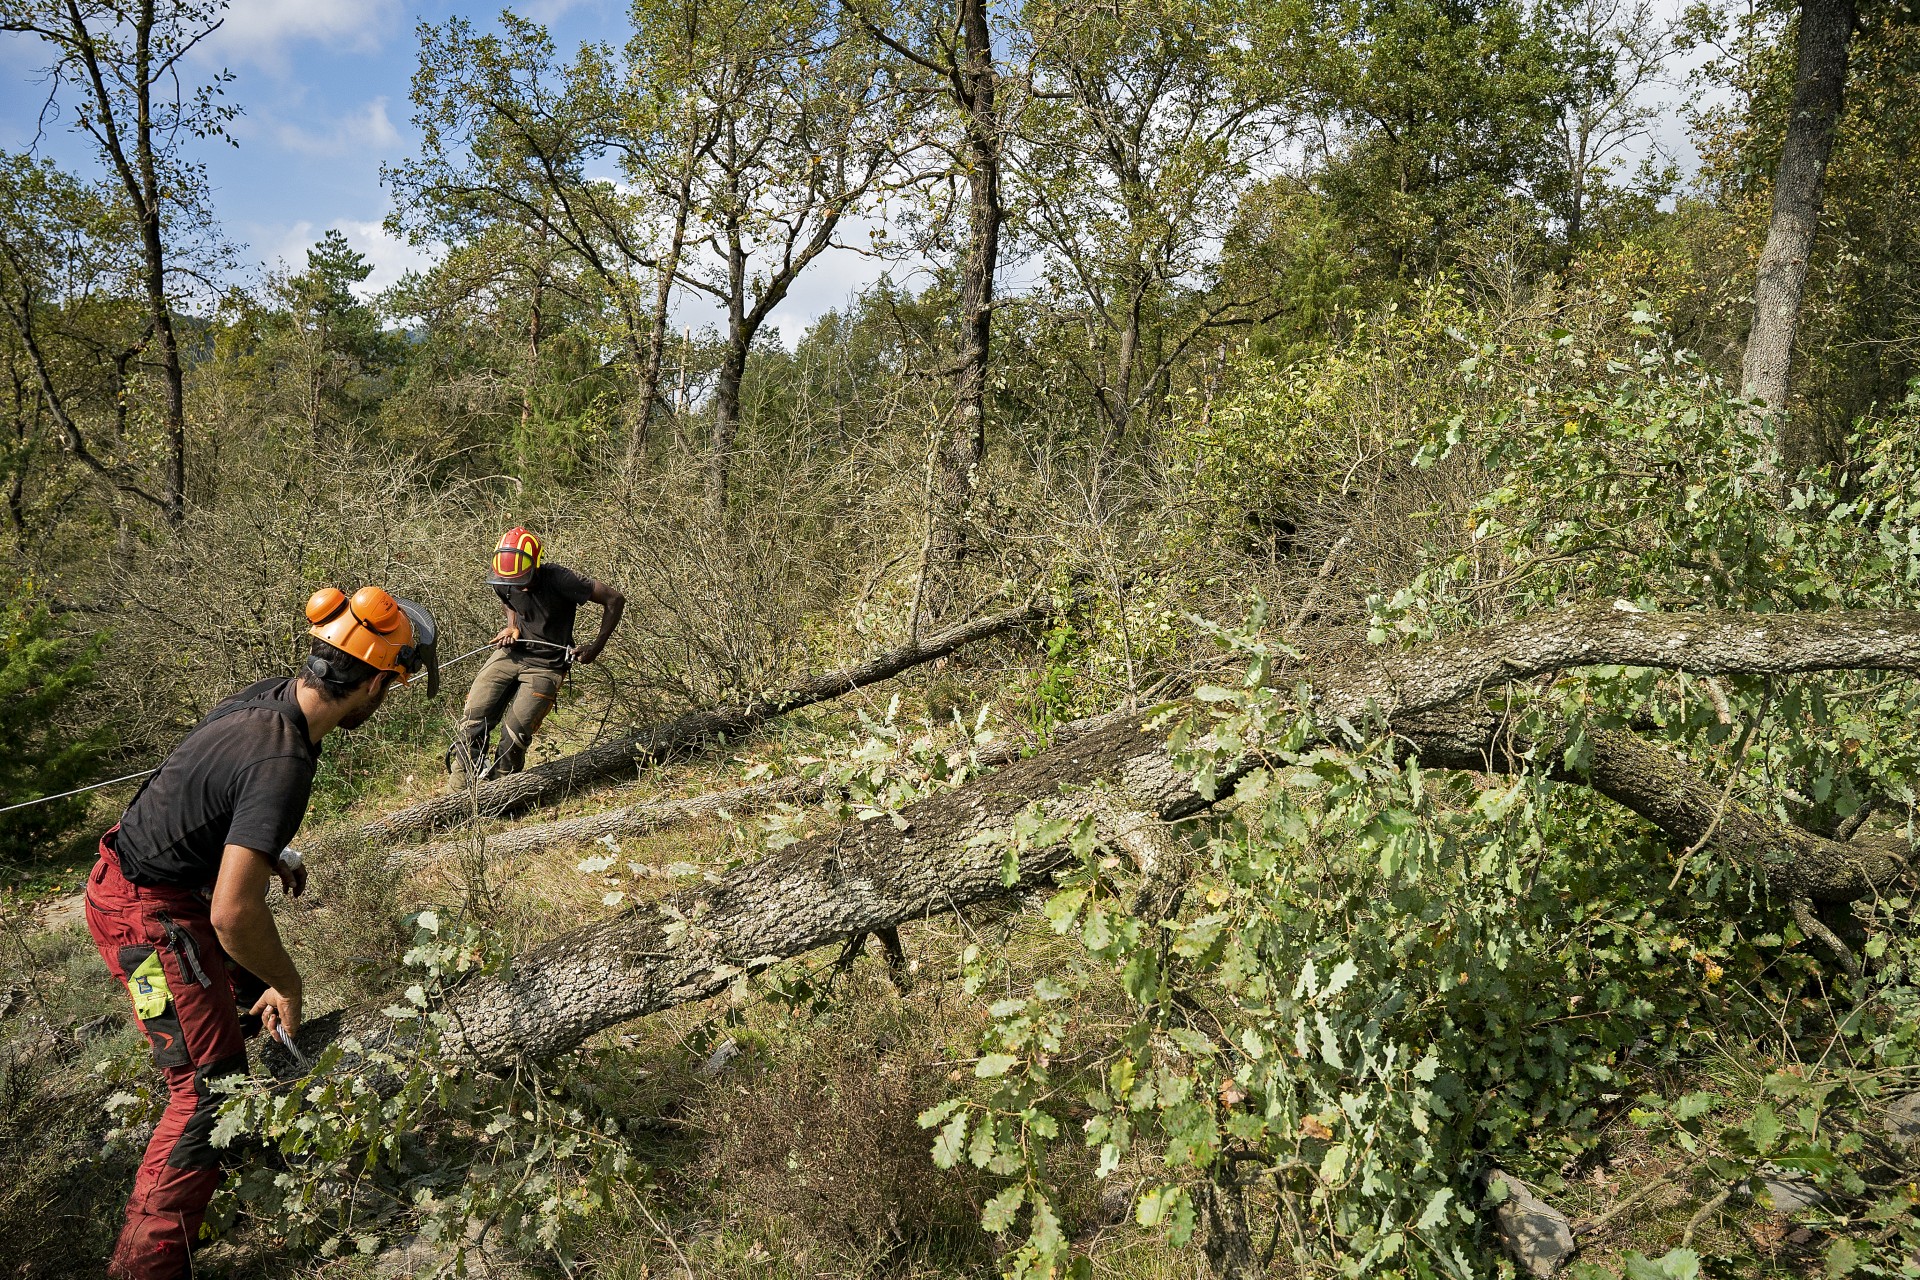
(380, 1141)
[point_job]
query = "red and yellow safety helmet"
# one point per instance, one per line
(515, 559)
(383, 631)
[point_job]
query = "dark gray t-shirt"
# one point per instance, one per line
(545, 607)
(243, 778)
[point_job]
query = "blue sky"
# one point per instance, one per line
(324, 87)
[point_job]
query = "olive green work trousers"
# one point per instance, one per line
(514, 693)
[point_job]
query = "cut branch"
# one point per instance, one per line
(546, 783)
(627, 820)
(1688, 809)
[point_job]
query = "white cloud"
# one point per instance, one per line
(368, 129)
(830, 281)
(259, 31)
(391, 256)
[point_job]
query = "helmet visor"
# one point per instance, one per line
(424, 653)
(513, 562)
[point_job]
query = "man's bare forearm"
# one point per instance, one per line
(252, 939)
(609, 619)
(242, 922)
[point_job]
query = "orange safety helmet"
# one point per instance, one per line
(515, 559)
(381, 630)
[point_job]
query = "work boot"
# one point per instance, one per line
(462, 767)
(510, 758)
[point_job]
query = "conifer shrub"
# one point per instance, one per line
(40, 669)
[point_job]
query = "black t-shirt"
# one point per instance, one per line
(545, 607)
(243, 778)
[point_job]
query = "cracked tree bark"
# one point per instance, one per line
(546, 783)
(873, 876)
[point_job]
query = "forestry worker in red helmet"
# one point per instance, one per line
(517, 686)
(177, 902)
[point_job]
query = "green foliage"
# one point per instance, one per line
(1375, 980)
(40, 670)
(1288, 433)
(1443, 111)
(1369, 980)
(386, 1136)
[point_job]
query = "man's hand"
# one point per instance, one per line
(587, 652)
(293, 880)
(279, 1009)
(507, 636)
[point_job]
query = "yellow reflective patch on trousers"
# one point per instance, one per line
(148, 987)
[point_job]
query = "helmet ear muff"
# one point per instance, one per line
(376, 610)
(324, 604)
(372, 627)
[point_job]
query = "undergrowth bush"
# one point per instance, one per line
(1379, 983)
(406, 1135)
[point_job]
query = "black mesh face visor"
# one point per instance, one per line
(424, 653)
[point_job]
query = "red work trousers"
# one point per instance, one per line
(196, 1039)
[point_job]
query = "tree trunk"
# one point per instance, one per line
(733, 371)
(726, 426)
(867, 877)
(140, 180)
(154, 262)
(663, 815)
(536, 296)
(626, 820)
(1820, 77)
(669, 270)
(546, 783)
(975, 85)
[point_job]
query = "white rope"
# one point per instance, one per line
(129, 777)
(468, 654)
(91, 786)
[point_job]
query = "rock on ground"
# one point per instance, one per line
(1791, 1190)
(1536, 1235)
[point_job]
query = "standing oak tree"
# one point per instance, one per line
(954, 45)
(123, 64)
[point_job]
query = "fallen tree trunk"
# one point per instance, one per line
(546, 783)
(661, 815)
(1691, 813)
(871, 876)
(627, 820)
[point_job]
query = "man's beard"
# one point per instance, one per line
(360, 717)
